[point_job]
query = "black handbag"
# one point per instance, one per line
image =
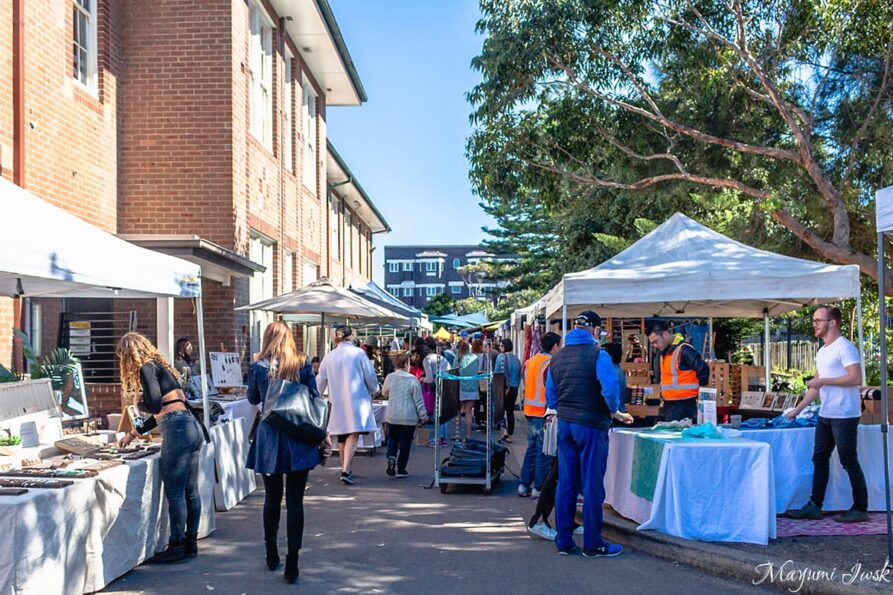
(290, 408)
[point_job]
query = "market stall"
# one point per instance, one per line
(78, 538)
(708, 490)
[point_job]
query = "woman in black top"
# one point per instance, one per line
(152, 384)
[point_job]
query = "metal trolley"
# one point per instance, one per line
(492, 475)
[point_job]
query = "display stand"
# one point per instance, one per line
(491, 475)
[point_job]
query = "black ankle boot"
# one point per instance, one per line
(272, 555)
(291, 568)
(174, 554)
(191, 545)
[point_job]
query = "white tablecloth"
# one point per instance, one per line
(234, 480)
(708, 491)
(78, 539)
(240, 409)
(792, 457)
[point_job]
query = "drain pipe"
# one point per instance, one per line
(18, 158)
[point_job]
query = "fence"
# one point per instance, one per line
(802, 354)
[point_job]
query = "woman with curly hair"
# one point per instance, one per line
(153, 386)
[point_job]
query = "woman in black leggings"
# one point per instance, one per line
(283, 461)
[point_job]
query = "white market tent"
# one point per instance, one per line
(59, 255)
(685, 269)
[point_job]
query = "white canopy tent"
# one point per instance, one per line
(685, 269)
(59, 255)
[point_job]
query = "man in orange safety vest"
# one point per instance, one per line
(682, 372)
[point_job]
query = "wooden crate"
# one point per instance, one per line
(743, 376)
(638, 374)
(720, 379)
(643, 410)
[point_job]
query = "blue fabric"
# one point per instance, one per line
(511, 366)
(605, 373)
(703, 432)
(621, 385)
(582, 460)
(536, 464)
(181, 444)
(272, 450)
(468, 368)
(762, 423)
(450, 357)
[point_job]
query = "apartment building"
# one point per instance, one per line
(415, 274)
(193, 128)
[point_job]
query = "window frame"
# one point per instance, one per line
(309, 129)
(407, 292)
(393, 267)
(90, 50)
(288, 124)
(287, 284)
(260, 73)
(455, 289)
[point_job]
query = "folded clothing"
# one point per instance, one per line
(704, 431)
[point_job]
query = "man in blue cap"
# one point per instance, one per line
(583, 388)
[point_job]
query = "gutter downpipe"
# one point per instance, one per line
(18, 158)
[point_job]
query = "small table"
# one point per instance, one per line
(708, 490)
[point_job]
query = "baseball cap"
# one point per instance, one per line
(463, 334)
(588, 318)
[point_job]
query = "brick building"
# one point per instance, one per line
(415, 274)
(193, 128)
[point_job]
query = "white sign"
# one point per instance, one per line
(707, 412)
(226, 369)
(751, 399)
(883, 207)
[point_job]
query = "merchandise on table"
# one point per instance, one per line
(13, 491)
(808, 418)
(50, 473)
(10, 482)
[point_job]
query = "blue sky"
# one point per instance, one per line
(406, 145)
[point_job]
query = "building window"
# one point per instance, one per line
(431, 267)
(394, 267)
(431, 291)
(456, 289)
(348, 239)
(288, 272)
(407, 292)
(288, 126)
(260, 287)
(456, 263)
(84, 43)
(407, 267)
(309, 116)
(336, 229)
(261, 71)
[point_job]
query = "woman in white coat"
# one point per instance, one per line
(351, 380)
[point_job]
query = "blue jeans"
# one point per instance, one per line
(582, 460)
(180, 448)
(399, 444)
(536, 463)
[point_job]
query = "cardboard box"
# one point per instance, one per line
(424, 435)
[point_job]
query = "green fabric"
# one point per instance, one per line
(704, 431)
(647, 453)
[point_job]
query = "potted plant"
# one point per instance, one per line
(9, 444)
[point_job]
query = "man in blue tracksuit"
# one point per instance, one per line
(583, 388)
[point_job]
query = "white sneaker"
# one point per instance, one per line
(578, 530)
(542, 530)
(523, 490)
(534, 494)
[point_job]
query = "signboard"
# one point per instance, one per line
(79, 337)
(751, 399)
(226, 369)
(883, 206)
(72, 395)
(706, 405)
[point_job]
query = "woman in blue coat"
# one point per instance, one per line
(283, 461)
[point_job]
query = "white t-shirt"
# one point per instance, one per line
(838, 402)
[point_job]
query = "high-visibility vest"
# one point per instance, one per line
(535, 385)
(677, 384)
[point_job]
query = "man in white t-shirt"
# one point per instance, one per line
(837, 381)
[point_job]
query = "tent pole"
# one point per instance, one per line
(563, 320)
(885, 424)
(324, 343)
(710, 337)
(200, 325)
(766, 362)
(861, 337)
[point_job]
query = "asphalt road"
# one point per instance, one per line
(393, 536)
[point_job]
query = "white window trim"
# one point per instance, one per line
(288, 116)
(92, 84)
(394, 267)
(309, 129)
(407, 292)
(407, 267)
(260, 105)
(288, 272)
(455, 289)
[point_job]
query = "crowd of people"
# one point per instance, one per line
(572, 393)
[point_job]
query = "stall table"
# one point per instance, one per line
(709, 490)
(234, 480)
(80, 538)
(792, 458)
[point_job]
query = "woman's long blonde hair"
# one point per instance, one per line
(134, 351)
(279, 346)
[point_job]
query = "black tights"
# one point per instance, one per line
(295, 483)
(546, 501)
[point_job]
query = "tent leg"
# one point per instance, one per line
(885, 424)
(324, 341)
(861, 337)
(766, 362)
(164, 325)
(710, 338)
(200, 325)
(563, 320)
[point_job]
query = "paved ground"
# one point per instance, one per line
(394, 536)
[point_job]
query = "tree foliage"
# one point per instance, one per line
(440, 305)
(770, 120)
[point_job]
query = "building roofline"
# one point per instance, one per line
(343, 165)
(335, 31)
